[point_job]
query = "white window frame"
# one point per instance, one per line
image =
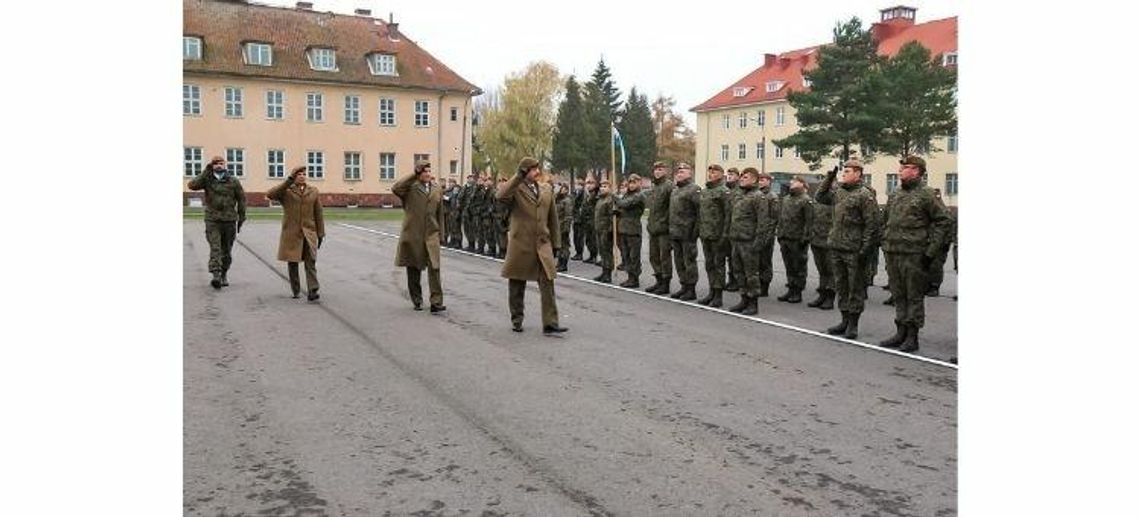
(948, 57)
(235, 161)
(724, 152)
(275, 168)
(742, 151)
(383, 64)
(191, 161)
(387, 166)
(233, 101)
(353, 164)
(759, 150)
(274, 104)
(741, 91)
(796, 152)
(760, 117)
(779, 116)
(196, 45)
(258, 54)
(892, 182)
(352, 109)
(951, 176)
(743, 119)
(773, 86)
(314, 107)
(779, 152)
(454, 114)
(726, 121)
(426, 113)
(191, 99)
(952, 144)
(315, 160)
(322, 59)
(390, 112)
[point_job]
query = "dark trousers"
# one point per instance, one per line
(630, 246)
(765, 252)
(516, 291)
(745, 256)
(908, 280)
(471, 228)
(661, 255)
(563, 253)
(714, 262)
(871, 262)
(795, 252)
(435, 285)
(310, 270)
(605, 241)
(220, 235)
(733, 270)
(937, 273)
(591, 238)
(850, 289)
(823, 267)
(579, 238)
(685, 260)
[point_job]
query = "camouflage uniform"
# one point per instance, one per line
(586, 219)
(715, 210)
(503, 224)
(451, 205)
(660, 245)
(602, 224)
(872, 258)
(770, 210)
(629, 209)
(821, 225)
(734, 280)
(746, 230)
(490, 226)
(684, 214)
(224, 202)
(797, 213)
(468, 213)
(565, 206)
(853, 226)
(937, 266)
(579, 229)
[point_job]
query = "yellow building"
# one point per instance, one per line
(350, 96)
(736, 127)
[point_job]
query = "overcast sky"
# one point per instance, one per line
(689, 50)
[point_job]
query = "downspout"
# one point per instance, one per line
(439, 131)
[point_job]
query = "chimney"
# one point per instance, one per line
(393, 28)
(769, 60)
(305, 6)
(364, 12)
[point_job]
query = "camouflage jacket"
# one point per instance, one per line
(916, 221)
(224, 199)
(797, 213)
(657, 202)
(629, 209)
(770, 213)
(466, 193)
(565, 206)
(586, 211)
(821, 224)
(684, 211)
(603, 216)
(854, 219)
(747, 216)
(716, 209)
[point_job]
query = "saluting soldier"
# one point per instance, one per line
(660, 245)
(732, 182)
(821, 225)
(420, 234)
(602, 223)
(684, 216)
(565, 220)
(716, 209)
(746, 232)
(770, 207)
(302, 229)
(796, 214)
(851, 236)
(916, 228)
(535, 235)
(629, 209)
(224, 214)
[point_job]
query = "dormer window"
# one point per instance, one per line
(322, 59)
(950, 59)
(191, 47)
(383, 64)
(260, 54)
(741, 91)
(807, 82)
(773, 86)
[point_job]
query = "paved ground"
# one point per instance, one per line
(359, 406)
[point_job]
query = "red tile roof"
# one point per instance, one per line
(225, 25)
(939, 36)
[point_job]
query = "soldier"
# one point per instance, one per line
(490, 229)
(937, 267)
(451, 212)
(420, 234)
(852, 232)
(821, 225)
(731, 181)
(579, 196)
(629, 209)
(565, 221)
(224, 215)
(771, 209)
(535, 237)
(872, 259)
(745, 231)
(917, 226)
(796, 216)
(502, 221)
(467, 210)
(684, 214)
(302, 229)
(660, 246)
(715, 210)
(586, 217)
(602, 223)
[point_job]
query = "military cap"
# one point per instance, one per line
(660, 165)
(764, 175)
(914, 160)
(716, 167)
(854, 164)
(799, 179)
(750, 170)
(682, 165)
(421, 165)
(527, 164)
(633, 177)
(733, 170)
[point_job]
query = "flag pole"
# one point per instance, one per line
(613, 184)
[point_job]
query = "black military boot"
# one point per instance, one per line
(841, 327)
(631, 281)
(717, 299)
(678, 292)
(751, 309)
(784, 297)
(794, 296)
(225, 281)
(897, 339)
(707, 298)
(910, 344)
(763, 290)
(828, 300)
(690, 293)
(216, 282)
(621, 267)
(313, 296)
(740, 305)
(819, 296)
(604, 277)
(852, 325)
(656, 284)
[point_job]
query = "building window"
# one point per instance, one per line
(796, 153)
(322, 59)
(740, 91)
(191, 161)
(387, 112)
(759, 150)
(260, 54)
(780, 116)
(773, 86)
(779, 152)
(454, 167)
(454, 114)
(952, 144)
(191, 47)
(952, 184)
(743, 119)
(314, 107)
(892, 183)
(383, 64)
(274, 105)
(807, 82)
(351, 109)
(760, 118)
(950, 59)
(233, 102)
(191, 99)
(351, 166)
(276, 160)
(422, 114)
(725, 121)
(867, 180)
(235, 161)
(316, 164)
(387, 166)
(724, 152)
(741, 152)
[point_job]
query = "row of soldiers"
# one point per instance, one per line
(471, 211)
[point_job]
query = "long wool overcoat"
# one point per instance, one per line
(423, 223)
(533, 234)
(302, 220)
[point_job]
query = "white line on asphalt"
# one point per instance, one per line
(696, 305)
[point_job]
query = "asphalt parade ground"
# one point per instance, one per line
(358, 405)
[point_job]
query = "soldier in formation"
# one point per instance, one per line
(586, 218)
(820, 227)
(770, 210)
(629, 209)
(684, 216)
(468, 211)
(565, 221)
(602, 223)
(849, 241)
(746, 233)
(660, 245)
(715, 213)
(796, 215)
(732, 182)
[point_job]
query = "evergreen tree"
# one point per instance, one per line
(597, 139)
(919, 95)
(604, 81)
(638, 134)
(571, 134)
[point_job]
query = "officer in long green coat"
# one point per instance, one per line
(732, 182)
(302, 229)
(821, 225)
(917, 225)
(746, 232)
(420, 234)
(684, 216)
(224, 204)
(657, 225)
(715, 212)
(629, 209)
(770, 207)
(797, 212)
(602, 223)
(853, 223)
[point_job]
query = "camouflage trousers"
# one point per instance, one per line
(454, 229)
(714, 262)
(579, 239)
(630, 246)
(435, 285)
(604, 249)
(748, 261)
(685, 260)
(220, 235)
(471, 228)
(490, 234)
(908, 280)
(310, 270)
(733, 266)
(794, 252)
(823, 267)
(516, 293)
(850, 288)
(591, 238)
(766, 250)
(563, 252)
(661, 255)
(937, 273)
(871, 262)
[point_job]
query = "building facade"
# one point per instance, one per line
(737, 126)
(350, 96)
